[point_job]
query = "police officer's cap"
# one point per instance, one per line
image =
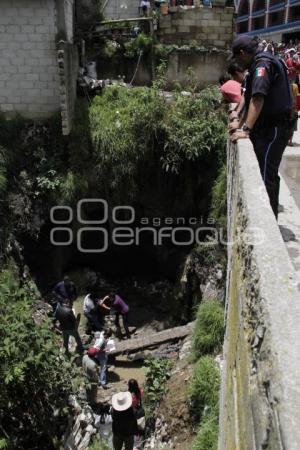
(244, 42)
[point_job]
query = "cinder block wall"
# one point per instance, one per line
(209, 26)
(121, 9)
(260, 396)
(29, 80)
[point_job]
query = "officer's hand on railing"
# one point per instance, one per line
(239, 134)
(234, 125)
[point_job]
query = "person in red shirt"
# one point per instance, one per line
(136, 393)
(290, 64)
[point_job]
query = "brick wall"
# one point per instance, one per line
(121, 9)
(29, 81)
(209, 26)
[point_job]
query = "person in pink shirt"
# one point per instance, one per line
(231, 86)
(116, 303)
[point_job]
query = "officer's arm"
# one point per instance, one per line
(255, 106)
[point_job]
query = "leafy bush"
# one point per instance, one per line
(207, 436)
(209, 328)
(158, 371)
(142, 43)
(35, 377)
(99, 444)
(203, 389)
(137, 128)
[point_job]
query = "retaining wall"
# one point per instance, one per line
(260, 397)
(207, 26)
(30, 82)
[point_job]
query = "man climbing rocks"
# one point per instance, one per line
(116, 303)
(68, 325)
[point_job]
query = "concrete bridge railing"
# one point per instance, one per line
(260, 395)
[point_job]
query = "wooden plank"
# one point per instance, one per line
(161, 337)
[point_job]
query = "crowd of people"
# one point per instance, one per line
(263, 81)
(126, 416)
(94, 308)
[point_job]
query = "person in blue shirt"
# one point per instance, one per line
(267, 119)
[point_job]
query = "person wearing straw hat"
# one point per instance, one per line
(124, 423)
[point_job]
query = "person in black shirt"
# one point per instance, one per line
(267, 119)
(65, 290)
(124, 423)
(68, 325)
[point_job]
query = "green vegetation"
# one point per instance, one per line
(98, 444)
(203, 389)
(135, 129)
(204, 386)
(207, 436)
(158, 371)
(36, 380)
(147, 44)
(142, 42)
(209, 330)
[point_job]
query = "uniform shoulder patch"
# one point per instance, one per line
(260, 72)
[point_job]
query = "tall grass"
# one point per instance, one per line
(209, 329)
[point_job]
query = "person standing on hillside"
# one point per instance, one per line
(117, 304)
(65, 290)
(68, 325)
(91, 372)
(124, 423)
(267, 119)
(102, 356)
(92, 312)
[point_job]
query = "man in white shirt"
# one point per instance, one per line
(102, 357)
(91, 311)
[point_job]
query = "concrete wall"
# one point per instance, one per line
(208, 26)
(68, 61)
(260, 398)
(30, 82)
(207, 66)
(121, 9)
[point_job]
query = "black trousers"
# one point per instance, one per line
(269, 144)
(125, 322)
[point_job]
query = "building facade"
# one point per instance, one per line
(276, 19)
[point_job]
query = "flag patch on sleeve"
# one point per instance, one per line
(260, 72)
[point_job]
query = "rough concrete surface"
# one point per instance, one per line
(260, 396)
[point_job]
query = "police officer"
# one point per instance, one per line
(268, 108)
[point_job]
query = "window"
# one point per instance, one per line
(243, 8)
(294, 14)
(258, 5)
(242, 27)
(276, 18)
(258, 23)
(275, 2)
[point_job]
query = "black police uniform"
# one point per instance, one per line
(270, 134)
